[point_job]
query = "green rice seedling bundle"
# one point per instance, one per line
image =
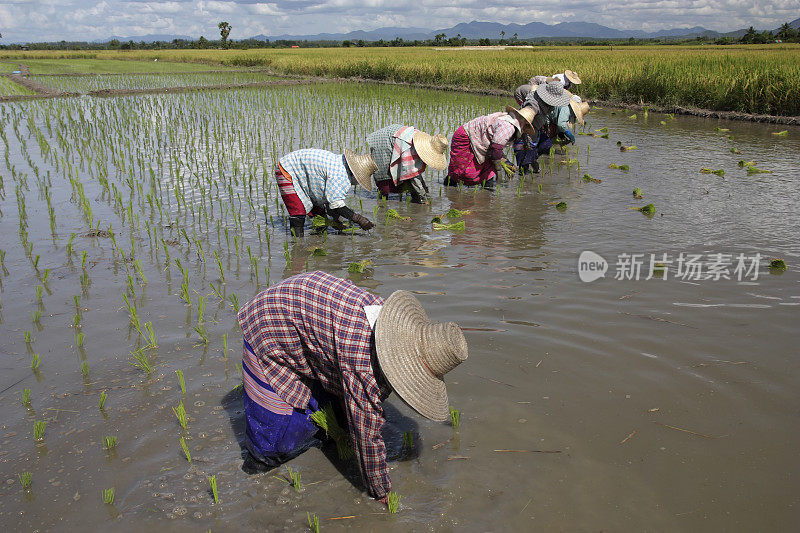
(108, 496)
(26, 397)
(102, 402)
(588, 179)
(778, 265)
(393, 214)
(181, 382)
(140, 360)
(326, 419)
(185, 449)
(618, 167)
(648, 209)
(393, 502)
(180, 414)
(38, 429)
(109, 442)
(719, 172)
(25, 479)
(456, 226)
(457, 213)
(455, 417)
(359, 267)
(637, 193)
(313, 522)
(213, 482)
(36, 360)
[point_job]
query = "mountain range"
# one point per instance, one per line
(482, 30)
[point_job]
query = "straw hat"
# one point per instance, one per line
(578, 106)
(432, 150)
(362, 167)
(525, 118)
(553, 94)
(539, 80)
(415, 354)
(572, 77)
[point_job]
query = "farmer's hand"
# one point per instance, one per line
(568, 134)
(384, 500)
(362, 221)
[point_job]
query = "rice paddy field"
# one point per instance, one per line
(86, 83)
(133, 228)
(8, 87)
(761, 79)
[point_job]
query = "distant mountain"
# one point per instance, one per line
(494, 30)
(150, 38)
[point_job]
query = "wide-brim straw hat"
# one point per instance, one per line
(415, 354)
(578, 106)
(525, 118)
(431, 149)
(572, 77)
(553, 94)
(362, 167)
(538, 80)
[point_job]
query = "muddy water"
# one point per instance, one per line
(669, 404)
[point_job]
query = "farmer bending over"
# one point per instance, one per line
(315, 182)
(314, 339)
(402, 154)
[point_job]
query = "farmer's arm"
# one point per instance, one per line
(365, 419)
(336, 188)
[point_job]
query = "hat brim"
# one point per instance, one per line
(550, 99)
(400, 357)
(422, 145)
(576, 108)
(362, 175)
(572, 77)
(526, 126)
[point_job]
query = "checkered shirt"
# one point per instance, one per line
(319, 177)
(312, 327)
(393, 152)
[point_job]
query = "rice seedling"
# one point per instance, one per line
(318, 252)
(393, 502)
(36, 262)
(35, 316)
(561, 206)
(26, 397)
(25, 480)
(752, 169)
(151, 335)
(234, 302)
(294, 478)
(213, 482)
(109, 442)
(45, 275)
(225, 346)
(133, 314)
(313, 522)
(633, 117)
(36, 360)
(38, 429)
(79, 338)
(185, 449)
(588, 179)
(648, 209)
(39, 291)
(85, 369)
(778, 265)
(108, 496)
(623, 148)
(618, 167)
(735, 151)
(102, 403)
(181, 381)
(326, 419)
(139, 359)
(637, 193)
(393, 214)
(720, 172)
(408, 441)
(180, 414)
(359, 267)
(456, 226)
(783, 133)
(457, 213)
(455, 417)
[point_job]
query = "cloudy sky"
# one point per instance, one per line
(51, 20)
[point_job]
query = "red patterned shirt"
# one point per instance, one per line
(312, 327)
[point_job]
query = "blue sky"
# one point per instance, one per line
(51, 20)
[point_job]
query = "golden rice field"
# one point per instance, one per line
(750, 79)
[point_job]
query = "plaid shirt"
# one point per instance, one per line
(393, 152)
(312, 327)
(319, 177)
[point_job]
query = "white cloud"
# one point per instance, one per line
(52, 20)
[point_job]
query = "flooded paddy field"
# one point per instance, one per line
(660, 404)
(86, 83)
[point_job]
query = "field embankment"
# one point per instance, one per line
(761, 80)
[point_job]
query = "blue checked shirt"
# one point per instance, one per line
(319, 177)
